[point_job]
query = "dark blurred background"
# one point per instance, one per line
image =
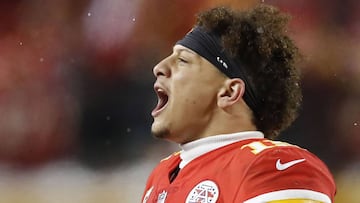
(76, 93)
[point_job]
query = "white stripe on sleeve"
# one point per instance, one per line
(290, 194)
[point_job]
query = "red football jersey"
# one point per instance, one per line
(248, 171)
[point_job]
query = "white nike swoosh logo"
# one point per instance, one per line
(281, 167)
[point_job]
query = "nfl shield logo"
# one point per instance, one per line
(205, 192)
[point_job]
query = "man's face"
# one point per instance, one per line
(187, 86)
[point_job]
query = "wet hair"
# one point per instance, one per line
(258, 38)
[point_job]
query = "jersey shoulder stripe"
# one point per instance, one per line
(171, 156)
(290, 194)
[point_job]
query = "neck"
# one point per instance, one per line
(226, 124)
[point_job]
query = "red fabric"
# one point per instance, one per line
(241, 174)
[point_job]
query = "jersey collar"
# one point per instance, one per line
(194, 149)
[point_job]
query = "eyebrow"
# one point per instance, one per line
(179, 50)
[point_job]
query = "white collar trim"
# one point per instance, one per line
(194, 149)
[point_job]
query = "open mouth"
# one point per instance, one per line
(162, 101)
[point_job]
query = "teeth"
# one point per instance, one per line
(159, 90)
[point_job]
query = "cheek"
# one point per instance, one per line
(192, 94)
(192, 103)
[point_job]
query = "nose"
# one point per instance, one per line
(162, 69)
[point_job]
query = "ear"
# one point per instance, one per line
(231, 92)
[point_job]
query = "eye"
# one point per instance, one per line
(182, 60)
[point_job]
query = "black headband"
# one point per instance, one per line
(208, 45)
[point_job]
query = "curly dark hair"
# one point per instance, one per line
(258, 38)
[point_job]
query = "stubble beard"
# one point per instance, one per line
(160, 133)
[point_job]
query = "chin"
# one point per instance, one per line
(160, 132)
